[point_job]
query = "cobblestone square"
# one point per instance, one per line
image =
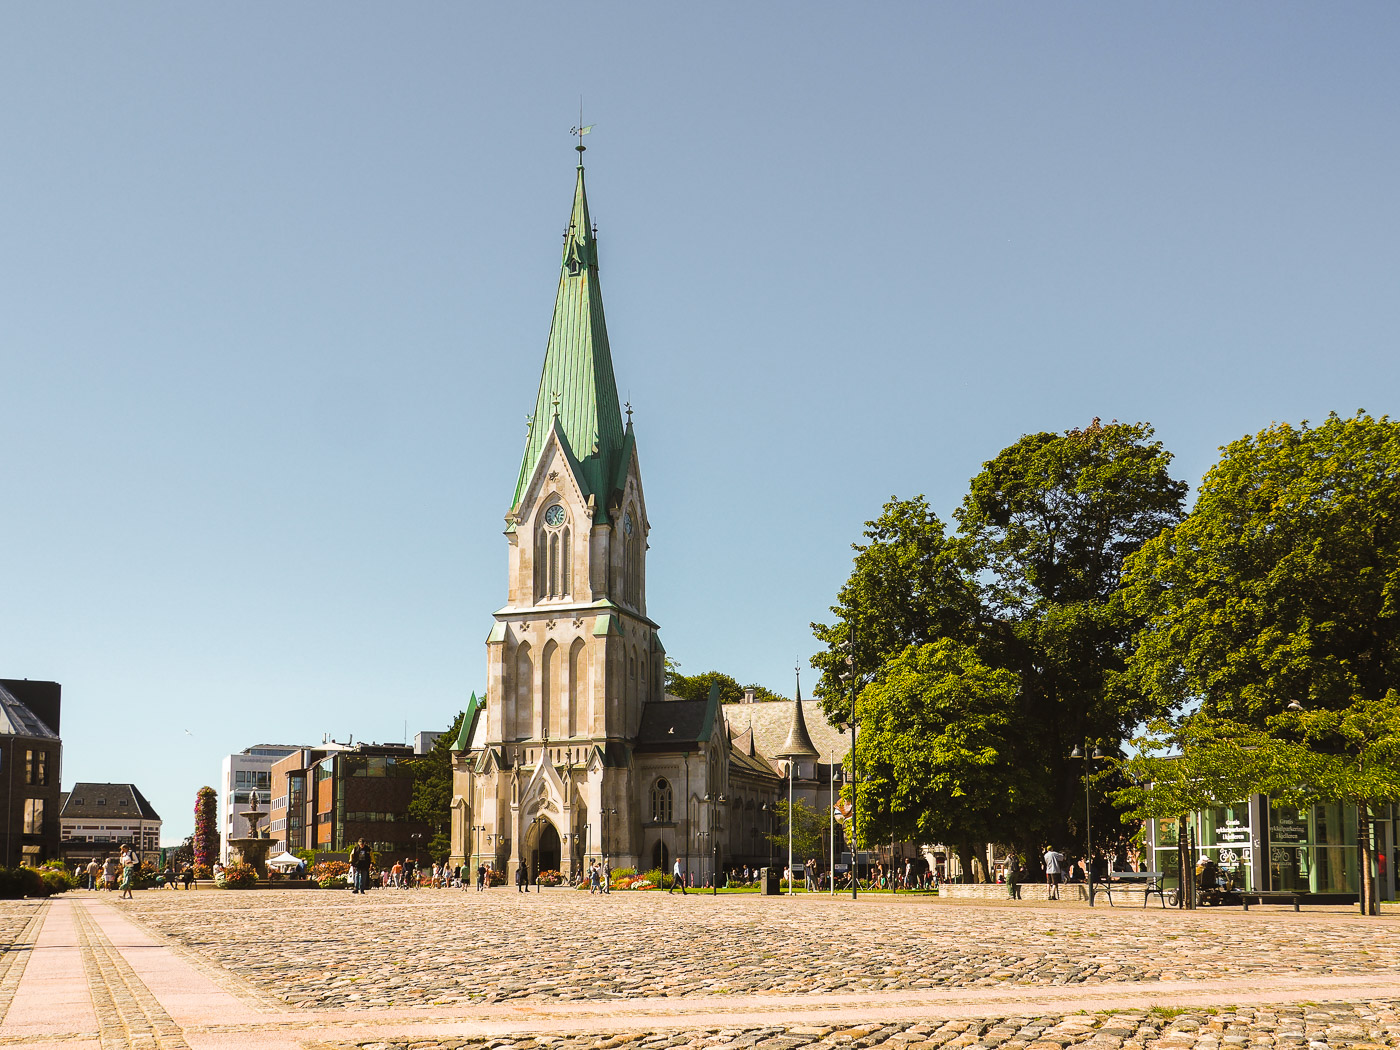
(564, 970)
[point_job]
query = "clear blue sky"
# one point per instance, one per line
(275, 284)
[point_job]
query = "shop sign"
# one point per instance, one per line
(1288, 832)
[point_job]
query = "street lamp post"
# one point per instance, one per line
(1083, 752)
(850, 675)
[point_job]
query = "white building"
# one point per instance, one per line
(244, 775)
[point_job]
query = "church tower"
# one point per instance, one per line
(544, 770)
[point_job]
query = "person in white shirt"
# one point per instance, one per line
(1054, 870)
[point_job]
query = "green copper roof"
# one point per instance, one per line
(464, 735)
(578, 393)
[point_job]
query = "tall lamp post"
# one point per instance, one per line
(849, 675)
(477, 829)
(1083, 752)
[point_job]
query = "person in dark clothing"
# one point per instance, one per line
(522, 879)
(360, 858)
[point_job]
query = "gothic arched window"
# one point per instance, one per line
(661, 808)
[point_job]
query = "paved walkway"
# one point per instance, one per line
(249, 970)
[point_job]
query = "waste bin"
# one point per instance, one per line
(770, 881)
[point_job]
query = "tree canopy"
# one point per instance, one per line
(697, 687)
(1021, 605)
(1283, 584)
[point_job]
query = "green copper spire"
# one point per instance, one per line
(578, 393)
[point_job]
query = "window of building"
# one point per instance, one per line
(661, 798)
(33, 816)
(553, 554)
(36, 767)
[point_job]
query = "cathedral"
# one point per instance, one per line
(576, 752)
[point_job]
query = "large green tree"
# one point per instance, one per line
(1275, 607)
(1029, 584)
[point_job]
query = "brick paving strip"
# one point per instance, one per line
(98, 979)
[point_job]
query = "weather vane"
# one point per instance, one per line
(580, 129)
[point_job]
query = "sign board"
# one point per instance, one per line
(1288, 833)
(1228, 834)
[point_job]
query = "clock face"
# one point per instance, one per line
(554, 516)
(627, 524)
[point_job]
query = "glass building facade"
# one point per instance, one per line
(1274, 847)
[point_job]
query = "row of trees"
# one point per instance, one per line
(1073, 599)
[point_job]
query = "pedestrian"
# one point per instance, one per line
(480, 878)
(677, 878)
(1054, 871)
(522, 878)
(187, 876)
(607, 876)
(360, 860)
(92, 870)
(110, 868)
(128, 863)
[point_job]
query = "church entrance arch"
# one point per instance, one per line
(547, 852)
(661, 857)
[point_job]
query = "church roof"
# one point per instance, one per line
(674, 724)
(578, 393)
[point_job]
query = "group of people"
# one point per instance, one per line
(114, 873)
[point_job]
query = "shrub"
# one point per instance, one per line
(623, 873)
(331, 874)
(495, 877)
(203, 871)
(237, 877)
(656, 877)
(549, 878)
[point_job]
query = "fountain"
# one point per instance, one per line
(252, 850)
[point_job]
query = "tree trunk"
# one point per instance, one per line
(1363, 827)
(979, 865)
(965, 862)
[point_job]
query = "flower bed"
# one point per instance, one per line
(237, 877)
(549, 878)
(331, 874)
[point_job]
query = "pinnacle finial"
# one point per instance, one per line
(628, 406)
(580, 129)
(556, 404)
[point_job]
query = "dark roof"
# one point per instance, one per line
(117, 799)
(674, 725)
(16, 719)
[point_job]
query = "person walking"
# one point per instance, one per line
(607, 876)
(360, 860)
(1054, 872)
(92, 870)
(522, 878)
(677, 879)
(128, 863)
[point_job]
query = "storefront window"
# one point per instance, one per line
(1226, 839)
